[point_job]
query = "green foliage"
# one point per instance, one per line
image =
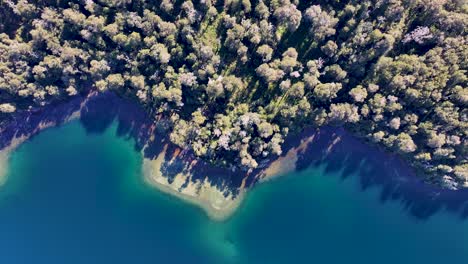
(234, 77)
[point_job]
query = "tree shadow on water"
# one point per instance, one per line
(177, 161)
(133, 122)
(98, 114)
(102, 110)
(27, 123)
(332, 148)
(341, 153)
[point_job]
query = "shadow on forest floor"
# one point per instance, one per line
(333, 148)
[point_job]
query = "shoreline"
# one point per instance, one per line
(210, 198)
(199, 193)
(202, 194)
(328, 146)
(5, 158)
(219, 191)
(18, 132)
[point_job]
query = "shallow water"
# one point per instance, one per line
(73, 197)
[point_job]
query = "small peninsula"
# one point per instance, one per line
(76, 195)
(223, 86)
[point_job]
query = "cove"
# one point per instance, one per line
(79, 197)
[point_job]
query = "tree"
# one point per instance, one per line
(269, 74)
(160, 53)
(358, 94)
(289, 16)
(419, 35)
(230, 79)
(265, 52)
(436, 140)
(265, 130)
(261, 10)
(461, 171)
(335, 72)
(330, 48)
(215, 88)
(405, 143)
(326, 91)
(322, 23)
(115, 81)
(341, 113)
(7, 108)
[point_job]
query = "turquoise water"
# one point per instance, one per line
(73, 197)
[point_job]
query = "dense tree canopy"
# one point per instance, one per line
(234, 77)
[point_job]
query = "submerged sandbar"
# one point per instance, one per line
(4, 157)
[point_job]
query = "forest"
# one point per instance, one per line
(228, 80)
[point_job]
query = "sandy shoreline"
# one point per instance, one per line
(5, 156)
(200, 193)
(22, 134)
(6, 152)
(203, 194)
(219, 191)
(331, 147)
(207, 196)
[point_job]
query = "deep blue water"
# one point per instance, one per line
(73, 197)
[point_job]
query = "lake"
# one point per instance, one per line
(78, 197)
